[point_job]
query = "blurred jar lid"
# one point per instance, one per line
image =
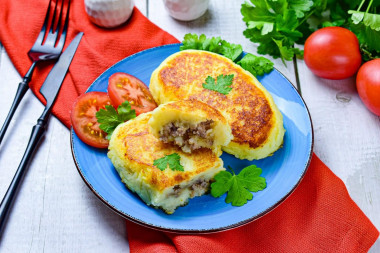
(109, 13)
(186, 10)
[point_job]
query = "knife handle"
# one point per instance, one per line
(21, 90)
(37, 133)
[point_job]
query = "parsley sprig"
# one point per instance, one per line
(222, 85)
(255, 65)
(213, 44)
(109, 118)
(173, 161)
(238, 187)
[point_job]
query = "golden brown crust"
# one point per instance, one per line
(138, 148)
(246, 106)
(197, 107)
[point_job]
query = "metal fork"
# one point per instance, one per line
(43, 49)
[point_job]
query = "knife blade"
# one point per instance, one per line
(53, 81)
(49, 90)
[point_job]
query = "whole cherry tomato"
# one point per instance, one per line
(368, 85)
(333, 53)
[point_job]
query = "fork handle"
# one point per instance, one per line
(21, 90)
(37, 133)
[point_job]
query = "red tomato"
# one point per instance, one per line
(333, 53)
(368, 85)
(122, 86)
(84, 121)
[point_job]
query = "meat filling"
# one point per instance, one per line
(188, 136)
(198, 188)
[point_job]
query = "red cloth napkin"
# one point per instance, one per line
(21, 22)
(318, 217)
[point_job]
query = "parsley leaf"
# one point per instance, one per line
(231, 51)
(257, 65)
(191, 41)
(213, 44)
(370, 20)
(109, 118)
(172, 160)
(300, 6)
(238, 187)
(222, 85)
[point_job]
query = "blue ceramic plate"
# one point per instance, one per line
(283, 171)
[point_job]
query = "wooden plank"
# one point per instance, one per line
(1, 51)
(347, 138)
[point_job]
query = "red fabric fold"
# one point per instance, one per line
(318, 217)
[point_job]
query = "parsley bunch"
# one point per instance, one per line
(277, 25)
(254, 64)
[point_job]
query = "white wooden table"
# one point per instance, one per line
(56, 212)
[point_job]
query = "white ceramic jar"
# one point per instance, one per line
(186, 10)
(109, 13)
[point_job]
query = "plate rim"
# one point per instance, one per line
(195, 231)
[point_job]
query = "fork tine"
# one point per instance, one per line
(62, 39)
(53, 18)
(60, 17)
(58, 28)
(52, 35)
(42, 33)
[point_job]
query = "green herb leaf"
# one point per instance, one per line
(191, 41)
(238, 187)
(173, 161)
(257, 65)
(222, 85)
(371, 20)
(125, 111)
(250, 178)
(213, 44)
(109, 118)
(285, 52)
(231, 51)
(300, 7)
(368, 38)
(276, 25)
(357, 16)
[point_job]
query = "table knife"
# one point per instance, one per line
(49, 90)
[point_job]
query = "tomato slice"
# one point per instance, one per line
(83, 118)
(122, 86)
